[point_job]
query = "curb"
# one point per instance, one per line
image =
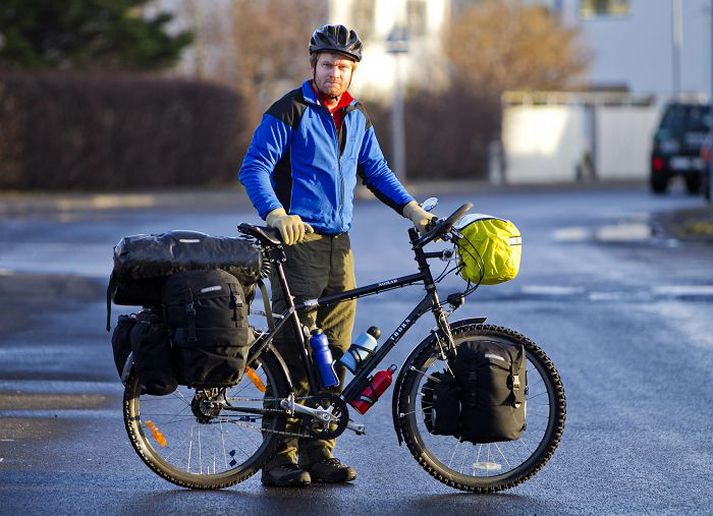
(23, 203)
(232, 196)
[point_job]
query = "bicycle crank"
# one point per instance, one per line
(325, 415)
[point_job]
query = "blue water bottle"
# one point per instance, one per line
(361, 349)
(322, 357)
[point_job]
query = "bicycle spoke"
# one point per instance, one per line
(484, 463)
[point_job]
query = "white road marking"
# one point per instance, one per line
(546, 290)
(573, 234)
(605, 296)
(631, 294)
(684, 290)
(623, 232)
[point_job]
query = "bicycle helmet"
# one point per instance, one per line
(338, 39)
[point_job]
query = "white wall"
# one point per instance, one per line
(549, 143)
(542, 143)
(624, 141)
(636, 50)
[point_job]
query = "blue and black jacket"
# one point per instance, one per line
(299, 161)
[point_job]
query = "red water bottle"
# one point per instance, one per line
(377, 385)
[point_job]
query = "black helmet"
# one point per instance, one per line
(338, 39)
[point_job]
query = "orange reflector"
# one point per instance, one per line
(160, 438)
(255, 379)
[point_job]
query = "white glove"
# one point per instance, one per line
(291, 227)
(418, 216)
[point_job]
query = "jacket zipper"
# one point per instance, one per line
(340, 193)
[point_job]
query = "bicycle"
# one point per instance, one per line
(214, 438)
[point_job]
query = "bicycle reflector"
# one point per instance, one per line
(156, 433)
(489, 249)
(257, 381)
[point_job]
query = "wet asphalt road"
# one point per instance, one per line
(624, 314)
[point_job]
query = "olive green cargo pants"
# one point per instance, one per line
(319, 265)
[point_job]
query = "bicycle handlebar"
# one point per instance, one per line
(441, 227)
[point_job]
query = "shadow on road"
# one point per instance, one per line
(331, 500)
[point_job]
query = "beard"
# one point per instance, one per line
(332, 88)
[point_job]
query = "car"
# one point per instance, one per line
(677, 143)
(707, 156)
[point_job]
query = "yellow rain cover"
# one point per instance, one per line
(490, 248)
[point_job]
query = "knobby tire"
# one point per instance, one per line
(408, 404)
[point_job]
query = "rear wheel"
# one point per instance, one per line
(484, 468)
(200, 438)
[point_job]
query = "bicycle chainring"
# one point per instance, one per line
(340, 416)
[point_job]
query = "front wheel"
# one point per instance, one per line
(483, 468)
(209, 438)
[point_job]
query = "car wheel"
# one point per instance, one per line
(693, 184)
(659, 183)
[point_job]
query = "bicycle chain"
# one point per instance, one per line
(261, 430)
(270, 411)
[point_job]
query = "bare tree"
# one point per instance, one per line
(497, 45)
(271, 38)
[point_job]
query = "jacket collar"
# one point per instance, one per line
(310, 96)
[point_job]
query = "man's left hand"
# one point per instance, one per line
(418, 216)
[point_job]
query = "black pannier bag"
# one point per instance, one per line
(143, 262)
(493, 384)
(208, 314)
(440, 400)
(121, 341)
(153, 358)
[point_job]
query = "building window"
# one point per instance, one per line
(594, 8)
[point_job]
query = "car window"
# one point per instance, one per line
(679, 118)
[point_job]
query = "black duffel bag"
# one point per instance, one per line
(143, 262)
(208, 316)
(493, 382)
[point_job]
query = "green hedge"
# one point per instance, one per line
(62, 131)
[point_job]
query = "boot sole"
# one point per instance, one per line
(287, 483)
(336, 480)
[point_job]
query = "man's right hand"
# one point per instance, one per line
(291, 227)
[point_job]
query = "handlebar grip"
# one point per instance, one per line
(455, 217)
(445, 226)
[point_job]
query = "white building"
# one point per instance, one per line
(634, 43)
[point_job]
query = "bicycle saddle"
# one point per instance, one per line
(265, 235)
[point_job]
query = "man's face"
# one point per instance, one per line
(333, 73)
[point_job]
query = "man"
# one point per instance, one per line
(300, 173)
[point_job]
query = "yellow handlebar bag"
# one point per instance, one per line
(489, 249)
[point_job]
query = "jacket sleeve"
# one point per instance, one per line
(269, 143)
(378, 177)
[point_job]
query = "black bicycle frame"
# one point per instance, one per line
(429, 302)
